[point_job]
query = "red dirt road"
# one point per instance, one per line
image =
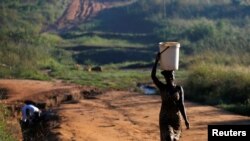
(117, 115)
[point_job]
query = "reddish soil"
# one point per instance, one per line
(114, 115)
(79, 11)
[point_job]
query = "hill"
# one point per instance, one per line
(198, 25)
(81, 11)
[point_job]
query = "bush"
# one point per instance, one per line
(200, 31)
(217, 84)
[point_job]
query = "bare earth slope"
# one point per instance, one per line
(118, 115)
(79, 11)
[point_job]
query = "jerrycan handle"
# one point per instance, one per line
(164, 49)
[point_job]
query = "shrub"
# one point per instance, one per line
(218, 84)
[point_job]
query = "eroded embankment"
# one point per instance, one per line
(80, 11)
(48, 102)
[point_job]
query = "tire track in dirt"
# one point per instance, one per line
(130, 116)
(122, 123)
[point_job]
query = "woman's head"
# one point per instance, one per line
(169, 75)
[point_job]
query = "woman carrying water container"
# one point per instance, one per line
(172, 96)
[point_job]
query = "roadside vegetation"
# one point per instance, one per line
(224, 86)
(5, 133)
(24, 48)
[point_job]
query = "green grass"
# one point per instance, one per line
(219, 84)
(5, 134)
(23, 45)
(243, 109)
(104, 42)
(111, 79)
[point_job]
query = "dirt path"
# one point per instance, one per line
(118, 115)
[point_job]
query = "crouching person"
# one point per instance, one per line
(30, 114)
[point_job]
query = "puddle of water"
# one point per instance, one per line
(147, 90)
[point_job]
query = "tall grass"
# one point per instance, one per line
(23, 46)
(220, 85)
(5, 135)
(216, 57)
(22, 59)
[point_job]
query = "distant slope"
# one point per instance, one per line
(27, 46)
(198, 25)
(79, 11)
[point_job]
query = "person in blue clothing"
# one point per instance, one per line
(30, 113)
(172, 106)
(31, 123)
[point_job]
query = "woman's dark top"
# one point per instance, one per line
(170, 120)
